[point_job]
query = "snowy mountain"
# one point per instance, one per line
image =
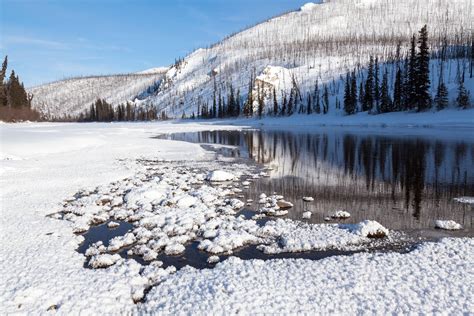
(320, 41)
(73, 96)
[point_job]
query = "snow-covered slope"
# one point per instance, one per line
(73, 96)
(319, 41)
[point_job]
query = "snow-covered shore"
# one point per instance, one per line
(42, 164)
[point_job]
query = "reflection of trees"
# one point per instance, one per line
(386, 176)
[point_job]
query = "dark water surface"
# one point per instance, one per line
(403, 178)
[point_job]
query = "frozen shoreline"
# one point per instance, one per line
(44, 163)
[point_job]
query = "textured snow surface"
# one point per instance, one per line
(39, 264)
(40, 268)
(435, 278)
(465, 199)
(448, 225)
(220, 175)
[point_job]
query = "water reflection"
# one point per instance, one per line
(405, 182)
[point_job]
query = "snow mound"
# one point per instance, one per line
(447, 225)
(465, 199)
(371, 229)
(103, 260)
(341, 214)
(309, 6)
(219, 176)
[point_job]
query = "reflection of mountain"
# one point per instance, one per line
(401, 181)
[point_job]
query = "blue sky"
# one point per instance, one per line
(48, 40)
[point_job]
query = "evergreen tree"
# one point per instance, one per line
(275, 103)
(283, 106)
(368, 103)
(398, 91)
(231, 103)
(290, 104)
(308, 105)
(354, 91)
(214, 105)
(317, 101)
(441, 99)
(347, 97)
(237, 104)
(325, 100)
(423, 98)
(411, 83)
(260, 101)
(377, 84)
(385, 101)
(3, 91)
(361, 93)
(463, 95)
(248, 107)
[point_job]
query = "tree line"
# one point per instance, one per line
(102, 111)
(370, 92)
(15, 102)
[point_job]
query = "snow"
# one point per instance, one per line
(308, 199)
(294, 236)
(465, 199)
(39, 253)
(364, 283)
(341, 214)
(370, 229)
(119, 173)
(307, 215)
(308, 6)
(219, 176)
(103, 260)
(447, 225)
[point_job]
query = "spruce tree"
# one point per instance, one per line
(463, 95)
(385, 101)
(354, 91)
(3, 91)
(411, 83)
(377, 84)
(325, 99)
(347, 97)
(441, 99)
(368, 103)
(275, 103)
(309, 109)
(290, 104)
(398, 91)
(423, 98)
(317, 101)
(283, 105)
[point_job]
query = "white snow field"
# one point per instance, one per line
(436, 278)
(44, 164)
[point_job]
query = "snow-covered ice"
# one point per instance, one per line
(435, 278)
(447, 225)
(465, 199)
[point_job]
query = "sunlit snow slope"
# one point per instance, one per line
(319, 41)
(73, 96)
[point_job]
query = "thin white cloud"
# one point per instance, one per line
(35, 41)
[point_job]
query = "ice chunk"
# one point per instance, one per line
(308, 198)
(307, 215)
(371, 229)
(213, 259)
(220, 176)
(447, 225)
(341, 214)
(103, 260)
